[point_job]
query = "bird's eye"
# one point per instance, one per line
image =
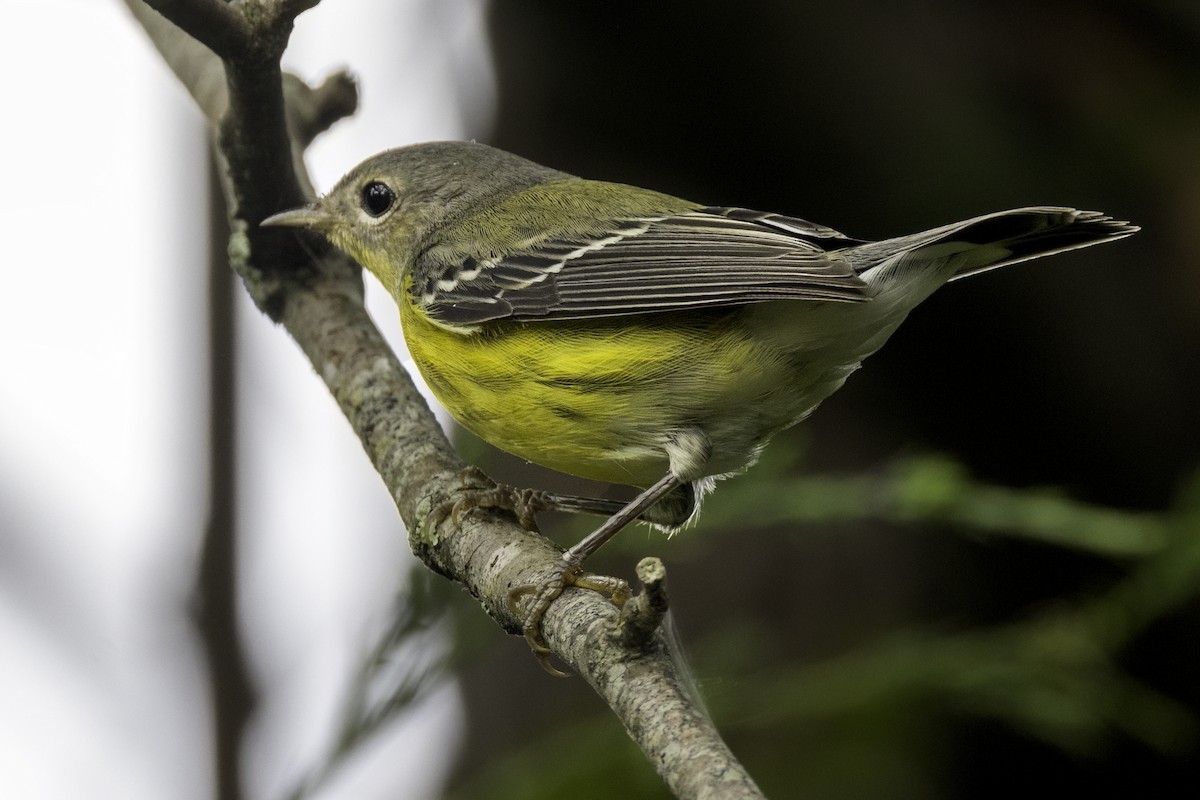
(377, 198)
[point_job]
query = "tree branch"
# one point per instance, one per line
(316, 293)
(213, 23)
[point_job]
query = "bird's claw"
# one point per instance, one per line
(566, 573)
(476, 490)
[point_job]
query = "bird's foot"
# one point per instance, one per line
(567, 572)
(477, 490)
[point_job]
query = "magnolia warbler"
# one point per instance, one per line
(627, 336)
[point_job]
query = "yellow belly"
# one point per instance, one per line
(597, 398)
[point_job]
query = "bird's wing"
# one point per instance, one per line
(703, 258)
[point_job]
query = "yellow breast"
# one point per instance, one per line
(596, 398)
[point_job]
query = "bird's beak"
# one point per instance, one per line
(313, 216)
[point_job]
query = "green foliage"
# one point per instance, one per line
(932, 489)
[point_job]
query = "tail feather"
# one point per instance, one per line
(1029, 233)
(995, 240)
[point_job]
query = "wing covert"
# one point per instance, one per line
(708, 257)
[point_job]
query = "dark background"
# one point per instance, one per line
(1078, 373)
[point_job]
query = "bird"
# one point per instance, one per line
(628, 336)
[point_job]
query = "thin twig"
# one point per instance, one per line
(313, 109)
(644, 614)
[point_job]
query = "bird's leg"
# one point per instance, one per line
(673, 509)
(569, 567)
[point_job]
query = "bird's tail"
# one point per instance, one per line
(990, 241)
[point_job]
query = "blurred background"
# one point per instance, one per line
(974, 571)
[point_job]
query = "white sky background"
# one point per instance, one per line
(103, 414)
